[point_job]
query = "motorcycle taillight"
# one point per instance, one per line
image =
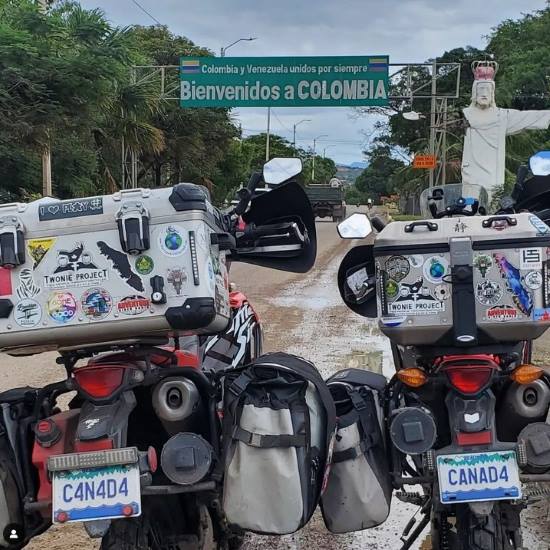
(469, 379)
(99, 382)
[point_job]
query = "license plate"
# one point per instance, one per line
(478, 477)
(99, 493)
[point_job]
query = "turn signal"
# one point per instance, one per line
(525, 374)
(412, 377)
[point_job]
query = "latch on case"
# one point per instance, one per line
(12, 242)
(133, 227)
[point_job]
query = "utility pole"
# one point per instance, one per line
(267, 134)
(432, 117)
(313, 162)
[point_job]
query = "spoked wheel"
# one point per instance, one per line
(163, 526)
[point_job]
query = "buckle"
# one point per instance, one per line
(255, 440)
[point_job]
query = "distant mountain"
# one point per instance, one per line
(361, 164)
(349, 173)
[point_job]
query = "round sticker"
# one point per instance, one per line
(27, 313)
(483, 263)
(435, 268)
(392, 289)
(533, 280)
(172, 241)
(488, 293)
(144, 265)
(442, 292)
(397, 268)
(61, 306)
(96, 303)
(416, 260)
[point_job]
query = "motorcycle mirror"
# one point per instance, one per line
(279, 170)
(540, 163)
(357, 282)
(357, 226)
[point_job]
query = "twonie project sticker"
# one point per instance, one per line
(416, 299)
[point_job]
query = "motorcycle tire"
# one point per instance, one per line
(488, 532)
(144, 533)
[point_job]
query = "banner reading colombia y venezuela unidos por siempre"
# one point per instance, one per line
(284, 81)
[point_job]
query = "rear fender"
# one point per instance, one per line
(100, 423)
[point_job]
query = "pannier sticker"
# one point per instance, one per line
(522, 298)
(502, 313)
(533, 280)
(5, 282)
(75, 268)
(397, 268)
(392, 321)
(416, 260)
(392, 288)
(416, 299)
(483, 263)
(144, 264)
(70, 209)
(121, 264)
(442, 292)
(96, 303)
(539, 225)
(27, 286)
(460, 226)
(172, 240)
(27, 313)
(38, 248)
(176, 277)
(541, 314)
(488, 293)
(133, 305)
(202, 238)
(435, 268)
(61, 307)
(530, 258)
(209, 268)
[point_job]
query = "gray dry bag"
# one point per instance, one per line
(359, 489)
(278, 425)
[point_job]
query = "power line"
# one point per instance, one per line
(146, 12)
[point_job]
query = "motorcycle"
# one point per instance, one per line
(148, 410)
(466, 411)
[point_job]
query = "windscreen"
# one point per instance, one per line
(448, 195)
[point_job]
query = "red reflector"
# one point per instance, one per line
(128, 510)
(477, 438)
(470, 379)
(152, 459)
(62, 517)
(99, 381)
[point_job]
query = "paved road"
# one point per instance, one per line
(302, 314)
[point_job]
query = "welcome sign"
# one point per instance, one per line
(284, 81)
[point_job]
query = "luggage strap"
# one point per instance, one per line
(268, 441)
(364, 405)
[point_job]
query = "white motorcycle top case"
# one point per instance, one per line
(463, 281)
(140, 263)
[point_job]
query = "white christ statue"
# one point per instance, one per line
(484, 153)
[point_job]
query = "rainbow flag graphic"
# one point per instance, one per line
(190, 66)
(378, 64)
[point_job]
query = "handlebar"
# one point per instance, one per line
(245, 194)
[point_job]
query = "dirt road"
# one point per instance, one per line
(302, 314)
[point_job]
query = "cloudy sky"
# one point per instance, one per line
(408, 31)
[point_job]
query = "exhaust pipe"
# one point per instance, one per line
(178, 404)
